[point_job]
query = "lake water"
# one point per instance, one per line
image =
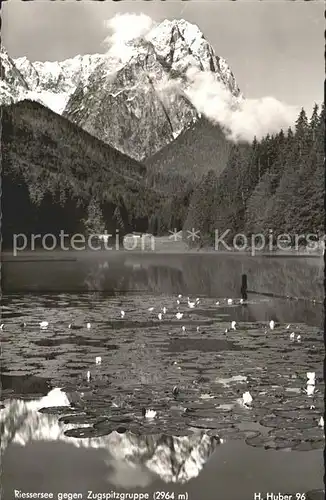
(101, 441)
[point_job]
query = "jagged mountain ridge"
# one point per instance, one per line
(136, 102)
(56, 81)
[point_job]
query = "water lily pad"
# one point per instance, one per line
(148, 430)
(79, 418)
(260, 441)
(285, 438)
(202, 405)
(293, 414)
(208, 423)
(312, 435)
(224, 432)
(209, 414)
(135, 429)
(87, 432)
(287, 423)
(286, 443)
(258, 413)
(120, 418)
(177, 431)
(243, 435)
(121, 429)
(58, 410)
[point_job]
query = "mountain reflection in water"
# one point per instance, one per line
(174, 459)
(38, 456)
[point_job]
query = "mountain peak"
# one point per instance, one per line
(186, 28)
(182, 45)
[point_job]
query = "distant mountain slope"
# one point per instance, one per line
(269, 188)
(198, 150)
(52, 171)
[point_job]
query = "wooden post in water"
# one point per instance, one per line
(244, 287)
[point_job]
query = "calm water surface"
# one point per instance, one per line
(91, 434)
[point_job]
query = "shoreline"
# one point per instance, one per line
(72, 255)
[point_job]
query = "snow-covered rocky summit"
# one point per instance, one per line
(53, 82)
(134, 98)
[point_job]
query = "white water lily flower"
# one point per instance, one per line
(44, 324)
(311, 376)
(310, 390)
(179, 315)
(247, 398)
(150, 414)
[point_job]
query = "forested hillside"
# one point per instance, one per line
(55, 176)
(275, 184)
(181, 164)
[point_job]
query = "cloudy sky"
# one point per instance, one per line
(275, 48)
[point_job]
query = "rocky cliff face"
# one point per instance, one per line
(12, 84)
(131, 109)
(136, 101)
(144, 105)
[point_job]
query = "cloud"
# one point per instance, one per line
(125, 28)
(242, 119)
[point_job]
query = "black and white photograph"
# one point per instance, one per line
(162, 250)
